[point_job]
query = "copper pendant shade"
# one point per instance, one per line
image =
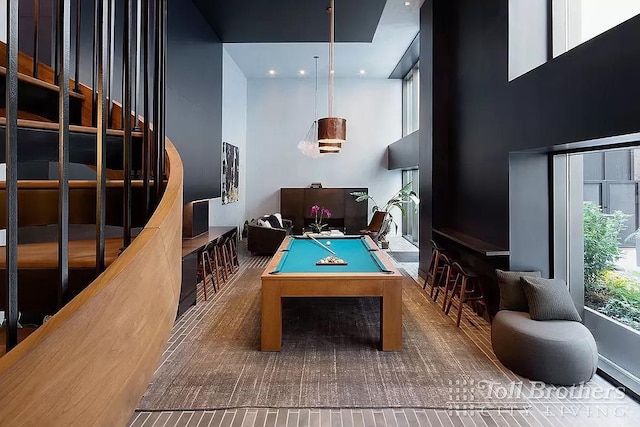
(332, 131)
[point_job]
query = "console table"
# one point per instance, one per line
(191, 249)
(295, 205)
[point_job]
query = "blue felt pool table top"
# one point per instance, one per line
(301, 254)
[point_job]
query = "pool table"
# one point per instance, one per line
(293, 272)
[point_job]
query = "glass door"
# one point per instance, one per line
(411, 216)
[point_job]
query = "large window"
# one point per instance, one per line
(572, 23)
(576, 21)
(597, 250)
(411, 101)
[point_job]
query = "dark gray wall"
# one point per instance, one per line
(194, 90)
(403, 154)
(589, 92)
(529, 212)
(194, 99)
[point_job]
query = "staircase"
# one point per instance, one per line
(92, 205)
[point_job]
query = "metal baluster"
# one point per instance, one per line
(126, 109)
(11, 154)
(112, 23)
(64, 36)
(146, 142)
(56, 31)
(163, 103)
(102, 115)
(94, 77)
(159, 97)
(157, 87)
(36, 18)
(136, 83)
(76, 86)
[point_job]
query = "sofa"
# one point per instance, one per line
(264, 240)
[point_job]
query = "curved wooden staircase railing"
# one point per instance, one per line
(91, 362)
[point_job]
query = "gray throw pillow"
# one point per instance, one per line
(511, 294)
(549, 299)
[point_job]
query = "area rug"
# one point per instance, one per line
(329, 358)
(406, 256)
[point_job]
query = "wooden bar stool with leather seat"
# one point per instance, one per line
(232, 249)
(204, 265)
(445, 279)
(465, 289)
(218, 267)
(226, 258)
(435, 268)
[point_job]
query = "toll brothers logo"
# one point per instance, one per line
(472, 397)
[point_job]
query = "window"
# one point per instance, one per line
(411, 216)
(573, 22)
(411, 101)
(597, 250)
(576, 21)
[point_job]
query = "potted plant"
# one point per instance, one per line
(403, 197)
(317, 225)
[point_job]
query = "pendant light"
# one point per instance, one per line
(332, 131)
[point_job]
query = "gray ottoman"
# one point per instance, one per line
(558, 352)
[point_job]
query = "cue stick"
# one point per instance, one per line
(315, 240)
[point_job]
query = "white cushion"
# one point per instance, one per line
(277, 215)
(264, 224)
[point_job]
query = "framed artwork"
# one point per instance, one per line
(230, 173)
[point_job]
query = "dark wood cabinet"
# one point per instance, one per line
(295, 204)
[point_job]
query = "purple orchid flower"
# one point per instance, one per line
(314, 209)
(327, 212)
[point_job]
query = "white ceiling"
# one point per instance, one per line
(397, 28)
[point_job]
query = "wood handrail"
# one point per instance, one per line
(92, 361)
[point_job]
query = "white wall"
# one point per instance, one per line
(234, 131)
(280, 112)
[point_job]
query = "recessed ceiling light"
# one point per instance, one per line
(302, 72)
(407, 3)
(362, 72)
(272, 72)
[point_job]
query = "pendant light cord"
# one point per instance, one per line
(315, 116)
(331, 55)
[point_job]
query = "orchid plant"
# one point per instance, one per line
(317, 226)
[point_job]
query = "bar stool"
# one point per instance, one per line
(435, 268)
(226, 258)
(445, 279)
(203, 265)
(232, 249)
(465, 289)
(216, 254)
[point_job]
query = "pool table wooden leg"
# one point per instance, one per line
(271, 339)
(391, 316)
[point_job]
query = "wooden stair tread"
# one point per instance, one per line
(32, 124)
(82, 254)
(37, 82)
(22, 334)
